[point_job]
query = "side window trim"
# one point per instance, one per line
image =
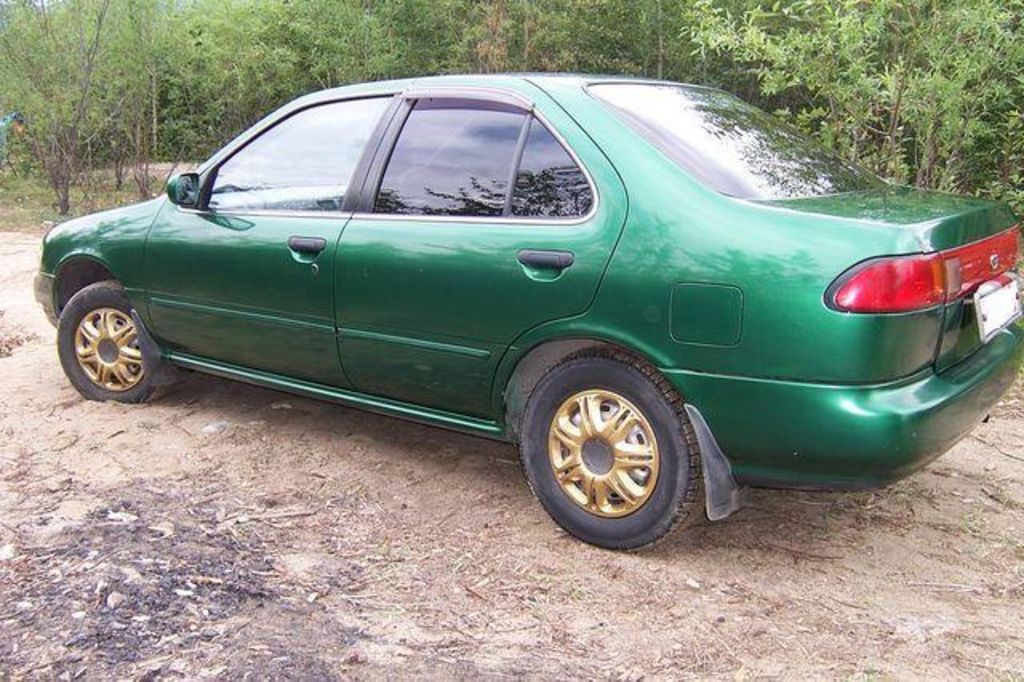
(382, 138)
(382, 155)
(517, 160)
(386, 146)
(209, 177)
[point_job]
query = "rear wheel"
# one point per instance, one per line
(98, 344)
(610, 453)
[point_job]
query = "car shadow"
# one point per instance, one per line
(796, 525)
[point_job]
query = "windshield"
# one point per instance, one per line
(731, 146)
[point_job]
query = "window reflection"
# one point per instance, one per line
(303, 163)
(451, 159)
(549, 183)
(731, 146)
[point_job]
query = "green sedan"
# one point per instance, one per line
(660, 293)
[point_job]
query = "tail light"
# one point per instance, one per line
(904, 283)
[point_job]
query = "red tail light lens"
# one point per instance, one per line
(892, 285)
(905, 283)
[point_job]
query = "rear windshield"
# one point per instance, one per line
(731, 146)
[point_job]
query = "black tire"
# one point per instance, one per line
(94, 297)
(677, 498)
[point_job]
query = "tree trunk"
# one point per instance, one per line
(661, 43)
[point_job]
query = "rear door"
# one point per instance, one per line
(249, 278)
(484, 216)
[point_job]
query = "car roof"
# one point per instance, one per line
(508, 80)
(520, 83)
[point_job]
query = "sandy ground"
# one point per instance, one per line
(229, 531)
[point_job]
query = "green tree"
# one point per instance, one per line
(923, 91)
(49, 58)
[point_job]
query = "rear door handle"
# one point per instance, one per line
(539, 258)
(308, 245)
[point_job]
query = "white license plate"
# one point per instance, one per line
(997, 305)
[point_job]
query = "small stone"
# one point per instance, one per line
(623, 674)
(57, 486)
(165, 528)
(130, 574)
(184, 593)
(213, 672)
(121, 516)
(78, 615)
(281, 406)
(7, 552)
(23, 606)
(692, 584)
(215, 427)
(115, 599)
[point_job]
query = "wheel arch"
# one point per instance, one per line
(723, 495)
(76, 272)
(534, 363)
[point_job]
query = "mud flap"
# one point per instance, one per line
(161, 372)
(722, 495)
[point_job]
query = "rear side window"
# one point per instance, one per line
(304, 163)
(468, 158)
(549, 183)
(451, 159)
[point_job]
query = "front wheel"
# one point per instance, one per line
(98, 345)
(609, 451)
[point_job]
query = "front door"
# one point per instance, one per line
(482, 226)
(249, 279)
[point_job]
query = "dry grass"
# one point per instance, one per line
(27, 203)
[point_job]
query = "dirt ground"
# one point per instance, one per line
(227, 531)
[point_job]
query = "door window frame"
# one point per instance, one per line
(208, 171)
(406, 100)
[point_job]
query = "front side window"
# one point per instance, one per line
(304, 163)
(456, 157)
(731, 146)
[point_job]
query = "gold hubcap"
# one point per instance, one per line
(603, 453)
(107, 348)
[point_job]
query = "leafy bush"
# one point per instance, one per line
(923, 92)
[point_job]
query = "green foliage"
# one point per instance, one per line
(48, 66)
(923, 91)
(928, 92)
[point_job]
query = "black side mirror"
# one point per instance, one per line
(183, 190)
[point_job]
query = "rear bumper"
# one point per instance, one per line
(43, 286)
(826, 436)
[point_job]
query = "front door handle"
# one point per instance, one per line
(549, 260)
(307, 245)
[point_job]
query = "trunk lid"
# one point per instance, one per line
(936, 220)
(927, 222)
